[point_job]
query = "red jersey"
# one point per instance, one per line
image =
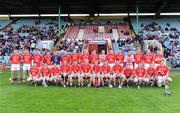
(106, 69)
(110, 58)
(84, 56)
(75, 68)
(138, 58)
(93, 58)
(47, 59)
(38, 59)
(128, 71)
(96, 68)
(74, 57)
(86, 68)
(15, 58)
(148, 58)
(34, 71)
(150, 71)
(65, 58)
(45, 71)
(157, 58)
(140, 71)
(65, 68)
(102, 58)
(117, 68)
(27, 58)
(120, 57)
(129, 59)
(55, 70)
(162, 70)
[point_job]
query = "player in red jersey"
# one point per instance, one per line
(96, 74)
(55, 77)
(27, 60)
(15, 59)
(38, 58)
(147, 58)
(74, 56)
(94, 57)
(102, 57)
(105, 73)
(138, 58)
(120, 57)
(34, 74)
(47, 59)
(85, 56)
(117, 73)
(150, 74)
(157, 58)
(65, 57)
(140, 75)
(110, 57)
(65, 72)
(162, 72)
(86, 71)
(45, 75)
(129, 59)
(128, 72)
(75, 72)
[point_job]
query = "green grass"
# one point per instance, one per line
(29, 99)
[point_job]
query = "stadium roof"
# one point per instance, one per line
(87, 6)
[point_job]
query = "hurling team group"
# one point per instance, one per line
(93, 70)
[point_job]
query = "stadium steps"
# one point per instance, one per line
(114, 43)
(80, 34)
(115, 34)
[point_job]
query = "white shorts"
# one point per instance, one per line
(111, 65)
(96, 74)
(15, 67)
(146, 65)
(53, 78)
(26, 67)
(162, 79)
(32, 78)
(136, 65)
(155, 65)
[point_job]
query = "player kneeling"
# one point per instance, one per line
(162, 74)
(34, 74)
(86, 72)
(116, 73)
(75, 72)
(150, 74)
(140, 76)
(45, 75)
(55, 77)
(127, 75)
(105, 74)
(96, 74)
(65, 72)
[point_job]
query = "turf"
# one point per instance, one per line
(29, 99)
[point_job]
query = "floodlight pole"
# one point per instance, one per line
(137, 18)
(59, 22)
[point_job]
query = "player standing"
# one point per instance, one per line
(65, 57)
(15, 59)
(110, 57)
(75, 72)
(129, 59)
(85, 56)
(147, 58)
(157, 58)
(102, 57)
(38, 58)
(94, 57)
(120, 57)
(47, 59)
(74, 56)
(96, 74)
(138, 58)
(27, 60)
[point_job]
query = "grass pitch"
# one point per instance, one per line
(25, 98)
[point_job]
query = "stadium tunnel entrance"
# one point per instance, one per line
(98, 46)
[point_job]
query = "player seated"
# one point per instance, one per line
(75, 72)
(65, 72)
(55, 76)
(127, 76)
(34, 74)
(45, 75)
(140, 76)
(105, 73)
(150, 74)
(117, 73)
(86, 72)
(162, 72)
(96, 74)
